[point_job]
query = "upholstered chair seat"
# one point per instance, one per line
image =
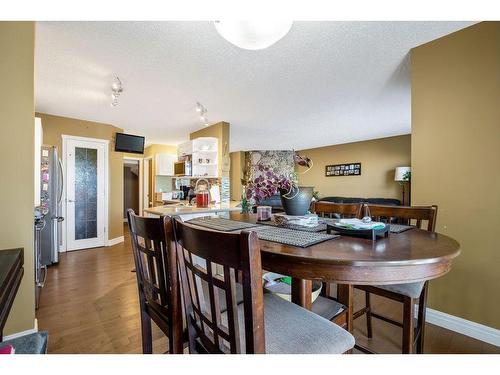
(291, 329)
(412, 290)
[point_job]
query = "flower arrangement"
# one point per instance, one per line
(270, 183)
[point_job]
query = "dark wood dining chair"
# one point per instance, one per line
(326, 304)
(337, 210)
(263, 322)
(157, 279)
(407, 294)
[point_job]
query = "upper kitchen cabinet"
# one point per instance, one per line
(204, 154)
(205, 157)
(185, 149)
(165, 164)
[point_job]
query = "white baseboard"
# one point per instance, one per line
(463, 326)
(115, 241)
(23, 333)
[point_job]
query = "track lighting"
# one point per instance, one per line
(202, 111)
(116, 90)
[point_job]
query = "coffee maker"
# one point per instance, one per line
(185, 191)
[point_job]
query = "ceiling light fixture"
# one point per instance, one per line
(116, 90)
(254, 34)
(203, 113)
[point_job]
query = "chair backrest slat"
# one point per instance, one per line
(337, 210)
(416, 214)
(201, 253)
(156, 271)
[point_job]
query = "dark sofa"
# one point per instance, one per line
(384, 201)
(275, 201)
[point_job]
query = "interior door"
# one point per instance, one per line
(85, 193)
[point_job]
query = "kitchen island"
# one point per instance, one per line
(189, 212)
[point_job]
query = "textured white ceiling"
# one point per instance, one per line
(323, 83)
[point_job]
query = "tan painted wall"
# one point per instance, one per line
(17, 142)
(378, 158)
(456, 162)
(55, 126)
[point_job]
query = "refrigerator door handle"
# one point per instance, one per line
(41, 284)
(61, 176)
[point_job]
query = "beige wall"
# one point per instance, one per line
(55, 126)
(17, 142)
(456, 162)
(378, 159)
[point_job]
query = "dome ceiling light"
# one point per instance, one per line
(253, 35)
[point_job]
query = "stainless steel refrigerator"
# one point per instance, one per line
(48, 215)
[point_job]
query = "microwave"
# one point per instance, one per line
(182, 168)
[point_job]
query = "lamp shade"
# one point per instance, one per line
(400, 173)
(253, 35)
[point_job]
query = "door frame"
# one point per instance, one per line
(146, 178)
(140, 160)
(65, 139)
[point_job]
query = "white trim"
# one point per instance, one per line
(88, 139)
(115, 241)
(145, 182)
(463, 326)
(23, 333)
(65, 139)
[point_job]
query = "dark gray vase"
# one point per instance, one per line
(300, 203)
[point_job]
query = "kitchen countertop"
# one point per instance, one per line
(177, 209)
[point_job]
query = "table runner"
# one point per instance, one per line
(268, 233)
(319, 228)
(221, 224)
(291, 236)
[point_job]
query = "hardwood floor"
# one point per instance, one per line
(90, 305)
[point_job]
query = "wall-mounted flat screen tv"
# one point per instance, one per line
(129, 143)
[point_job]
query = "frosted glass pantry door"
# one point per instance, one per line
(85, 194)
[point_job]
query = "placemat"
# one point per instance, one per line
(398, 228)
(319, 228)
(290, 236)
(221, 224)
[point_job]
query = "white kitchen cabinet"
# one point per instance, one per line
(165, 164)
(185, 148)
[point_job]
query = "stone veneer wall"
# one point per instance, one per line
(281, 161)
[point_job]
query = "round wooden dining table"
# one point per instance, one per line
(409, 256)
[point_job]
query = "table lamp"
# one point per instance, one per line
(403, 176)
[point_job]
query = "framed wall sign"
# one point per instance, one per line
(350, 169)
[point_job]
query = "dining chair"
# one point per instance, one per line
(407, 294)
(157, 279)
(263, 322)
(337, 210)
(326, 304)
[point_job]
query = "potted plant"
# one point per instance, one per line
(294, 199)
